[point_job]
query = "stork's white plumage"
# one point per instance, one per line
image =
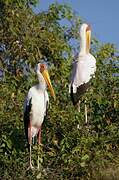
(36, 104)
(84, 67)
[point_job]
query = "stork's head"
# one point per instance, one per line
(43, 77)
(85, 35)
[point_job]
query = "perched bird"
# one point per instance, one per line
(35, 107)
(84, 67)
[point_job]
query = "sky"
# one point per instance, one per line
(102, 15)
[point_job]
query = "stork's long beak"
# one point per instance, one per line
(88, 40)
(48, 82)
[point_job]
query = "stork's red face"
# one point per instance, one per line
(88, 38)
(42, 67)
(45, 74)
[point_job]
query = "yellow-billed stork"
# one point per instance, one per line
(36, 104)
(84, 67)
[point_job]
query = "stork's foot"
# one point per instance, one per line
(30, 167)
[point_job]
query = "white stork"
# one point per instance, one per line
(36, 104)
(84, 67)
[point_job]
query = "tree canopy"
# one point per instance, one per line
(69, 151)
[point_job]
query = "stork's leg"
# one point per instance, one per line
(86, 119)
(30, 143)
(39, 142)
(78, 106)
(31, 166)
(79, 110)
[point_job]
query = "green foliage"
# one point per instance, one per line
(19, 3)
(71, 149)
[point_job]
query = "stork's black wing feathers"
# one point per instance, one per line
(46, 112)
(75, 97)
(47, 105)
(27, 117)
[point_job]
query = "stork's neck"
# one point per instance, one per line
(85, 42)
(42, 86)
(42, 83)
(83, 45)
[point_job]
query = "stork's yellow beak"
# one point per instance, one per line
(88, 39)
(48, 82)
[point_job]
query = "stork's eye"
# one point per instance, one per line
(42, 67)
